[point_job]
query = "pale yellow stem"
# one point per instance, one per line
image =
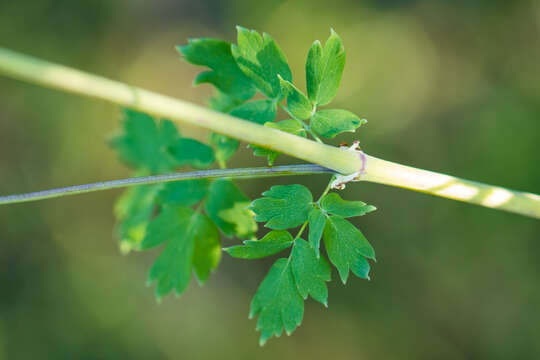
(61, 77)
(389, 173)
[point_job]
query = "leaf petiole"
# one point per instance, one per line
(239, 173)
(326, 190)
(304, 125)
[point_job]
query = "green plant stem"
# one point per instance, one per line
(451, 187)
(303, 124)
(41, 72)
(304, 225)
(245, 173)
(56, 76)
(326, 190)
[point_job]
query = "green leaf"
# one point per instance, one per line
(133, 211)
(225, 75)
(186, 192)
(187, 151)
(317, 220)
(223, 195)
(297, 103)
(171, 221)
(222, 102)
(347, 248)
(335, 205)
(313, 71)
(192, 244)
(172, 269)
(310, 272)
(144, 144)
(329, 123)
(271, 155)
(291, 126)
(272, 243)
(324, 68)
(258, 111)
(224, 148)
(207, 251)
(242, 218)
(262, 60)
(283, 206)
(277, 302)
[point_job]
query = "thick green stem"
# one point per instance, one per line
(245, 173)
(342, 161)
(61, 77)
(451, 187)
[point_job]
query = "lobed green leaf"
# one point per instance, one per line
(144, 144)
(283, 206)
(297, 103)
(223, 195)
(324, 68)
(347, 248)
(190, 152)
(272, 243)
(186, 192)
(317, 221)
(134, 210)
(290, 126)
(192, 244)
(310, 272)
(225, 74)
(260, 58)
(277, 302)
(335, 205)
(241, 217)
(207, 251)
(329, 123)
(258, 111)
(172, 219)
(270, 155)
(224, 148)
(223, 102)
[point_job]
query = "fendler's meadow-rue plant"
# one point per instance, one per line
(191, 214)
(187, 213)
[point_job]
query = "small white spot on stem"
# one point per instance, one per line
(497, 197)
(458, 191)
(341, 180)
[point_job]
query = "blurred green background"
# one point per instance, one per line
(451, 86)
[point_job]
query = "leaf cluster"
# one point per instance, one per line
(262, 67)
(185, 217)
(279, 301)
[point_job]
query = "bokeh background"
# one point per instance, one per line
(451, 86)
